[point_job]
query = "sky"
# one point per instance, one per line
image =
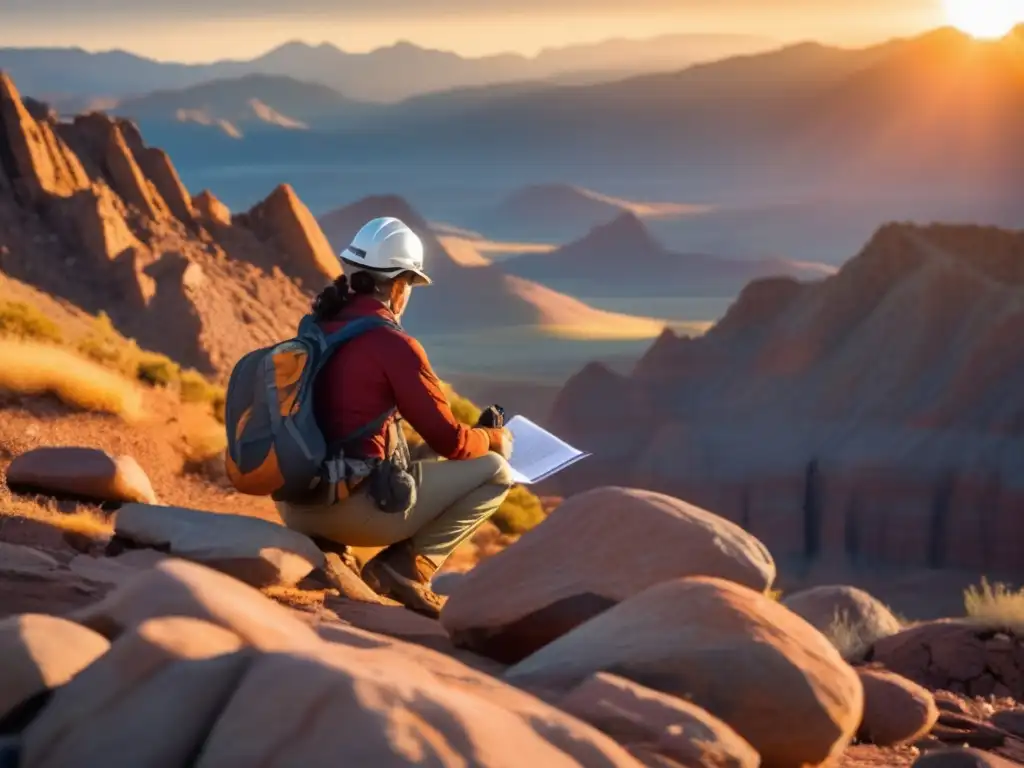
(207, 30)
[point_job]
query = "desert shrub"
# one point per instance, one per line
(521, 511)
(31, 368)
(104, 345)
(850, 637)
(995, 605)
(24, 321)
(158, 370)
(196, 388)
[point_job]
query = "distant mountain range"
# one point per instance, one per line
(561, 212)
(72, 77)
(622, 259)
(941, 111)
(239, 105)
(469, 296)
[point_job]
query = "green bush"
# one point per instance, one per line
(24, 321)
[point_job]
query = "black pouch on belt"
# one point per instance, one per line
(392, 488)
(391, 485)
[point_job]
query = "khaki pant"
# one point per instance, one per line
(453, 498)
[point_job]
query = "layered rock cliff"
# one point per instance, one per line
(89, 213)
(877, 414)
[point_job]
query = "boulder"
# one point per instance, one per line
(962, 758)
(851, 618)
(351, 706)
(255, 551)
(956, 655)
(664, 725)
(149, 701)
(39, 653)
(86, 473)
(736, 653)
(896, 711)
(594, 550)
(176, 587)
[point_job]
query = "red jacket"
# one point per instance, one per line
(382, 369)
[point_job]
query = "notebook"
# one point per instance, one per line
(536, 453)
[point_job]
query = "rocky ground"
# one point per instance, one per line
(628, 629)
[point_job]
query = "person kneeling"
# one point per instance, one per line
(420, 511)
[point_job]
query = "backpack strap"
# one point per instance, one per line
(353, 328)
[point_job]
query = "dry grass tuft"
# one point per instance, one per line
(31, 368)
(995, 606)
(851, 638)
(84, 521)
(25, 321)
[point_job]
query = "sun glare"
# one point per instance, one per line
(985, 18)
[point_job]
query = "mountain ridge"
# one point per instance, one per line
(622, 258)
(52, 72)
(874, 414)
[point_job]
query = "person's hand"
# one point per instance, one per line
(501, 442)
(492, 417)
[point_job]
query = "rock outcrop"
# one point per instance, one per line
(211, 210)
(958, 656)
(743, 657)
(284, 220)
(875, 415)
(196, 648)
(36, 162)
(593, 551)
(91, 188)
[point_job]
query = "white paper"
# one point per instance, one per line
(536, 453)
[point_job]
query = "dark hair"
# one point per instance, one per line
(335, 297)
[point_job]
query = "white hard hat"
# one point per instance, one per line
(388, 247)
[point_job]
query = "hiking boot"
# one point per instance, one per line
(403, 576)
(341, 550)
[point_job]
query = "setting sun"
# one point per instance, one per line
(985, 18)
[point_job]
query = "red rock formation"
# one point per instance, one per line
(158, 168)
(878, 414)
(284, 220)
(93, 216)
(36, 161)
(211, 210)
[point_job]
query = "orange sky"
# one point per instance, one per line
(203, 30)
